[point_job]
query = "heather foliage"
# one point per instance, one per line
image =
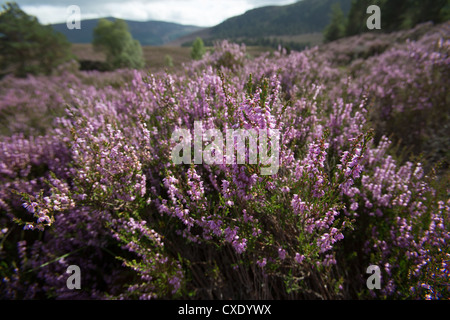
(95, 185)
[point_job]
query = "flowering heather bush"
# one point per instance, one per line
(407, 81)
(30, 105)
(92, 183)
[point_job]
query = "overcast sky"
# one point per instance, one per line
(194, 12)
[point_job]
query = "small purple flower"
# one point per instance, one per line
(354, 206)
(240, 246)
(281, 253)
(299, 258)
(28, 226)
(262, 263)
(285, 189)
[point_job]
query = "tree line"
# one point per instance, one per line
(28, 47)
(395, 15)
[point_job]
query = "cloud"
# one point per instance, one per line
(193, 12)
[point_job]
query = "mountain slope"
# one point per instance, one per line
(302, 17)
(148, 33)
(307, 17)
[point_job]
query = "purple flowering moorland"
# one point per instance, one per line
(87, 178)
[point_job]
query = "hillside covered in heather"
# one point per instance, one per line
(87, 176)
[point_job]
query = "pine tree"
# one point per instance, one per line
(336, 28)
(26, 46)
(427, 10)
(356, 21)
(168, 61)
(198, 49)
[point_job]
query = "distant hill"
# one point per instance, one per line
(148, 33)
(307, 16)
(255, 26)
(302, 17)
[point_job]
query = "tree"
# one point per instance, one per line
(336, 28)
(116, 41)
(427, 10)
(357, 16)
(398, 14)
(198, 49)
(168, 61)
(26, 46)
(394, 14)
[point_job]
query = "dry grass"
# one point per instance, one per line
(85, 51)
(154, 56)
(312, 38)
(255, 51)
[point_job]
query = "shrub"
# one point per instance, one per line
(98, 188)
(121, 50)
(198, 49)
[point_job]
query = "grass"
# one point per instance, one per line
(154, 55)
(313, 39)
(85, 51)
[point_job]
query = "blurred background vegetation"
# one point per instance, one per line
(28, 47)
(395, 15)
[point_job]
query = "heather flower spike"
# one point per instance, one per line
(270, 176)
